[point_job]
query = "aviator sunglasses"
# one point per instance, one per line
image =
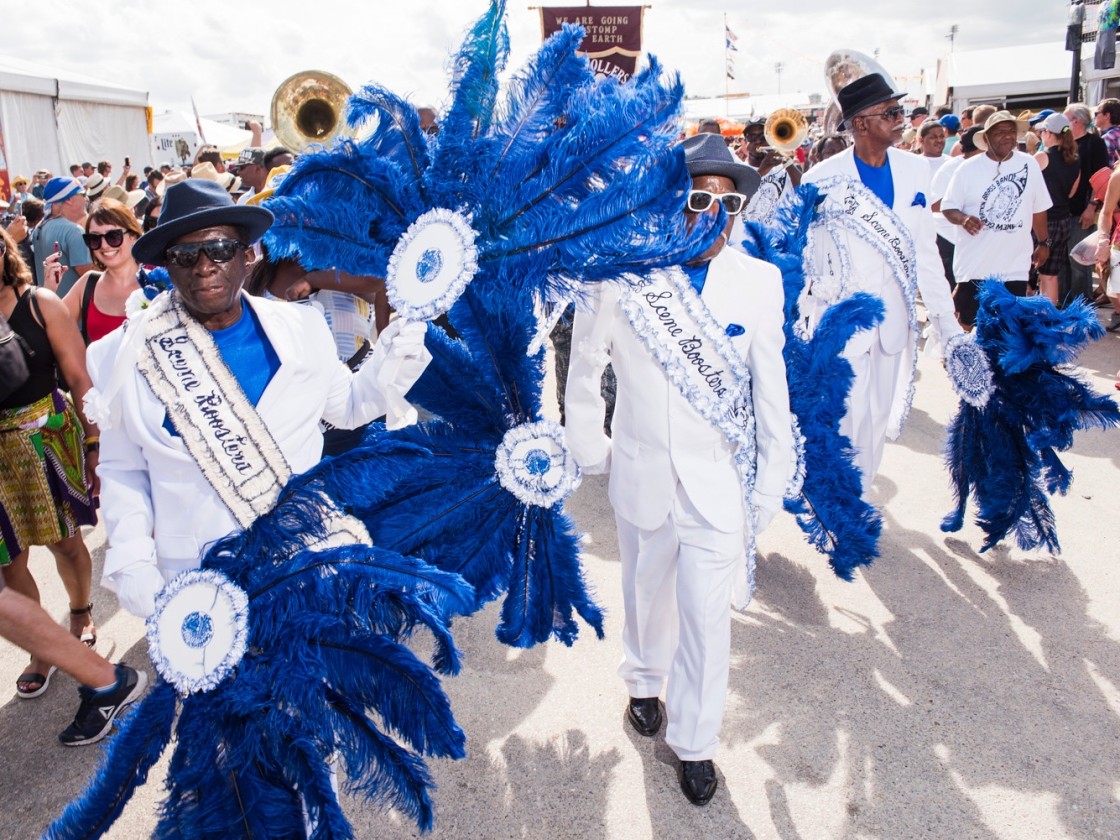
(113, 238)
(216, 250)
(700, 200)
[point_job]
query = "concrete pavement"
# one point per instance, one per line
(943, 694)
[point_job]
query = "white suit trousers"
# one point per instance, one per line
(676, 583)
(869, 407)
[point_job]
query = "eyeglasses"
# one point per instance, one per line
(216, 250)
(893, 113)
(113, 238)
(700, 200)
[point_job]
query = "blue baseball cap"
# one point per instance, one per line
(1040, 116)
(951, 122)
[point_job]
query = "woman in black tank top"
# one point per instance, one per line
(48, 451)
(1061, 170)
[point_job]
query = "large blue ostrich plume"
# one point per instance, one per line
(829, 507)
(1005, 453)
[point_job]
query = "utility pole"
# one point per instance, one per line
(952, 36)
(778, 70)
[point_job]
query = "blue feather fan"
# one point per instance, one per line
(829, 509)
(1006, 453)
(567, 179)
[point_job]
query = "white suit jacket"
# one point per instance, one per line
(871, 272)
(157, 507)
(657, 437)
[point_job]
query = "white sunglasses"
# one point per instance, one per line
(700, 200)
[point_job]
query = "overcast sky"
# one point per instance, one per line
(232, 54)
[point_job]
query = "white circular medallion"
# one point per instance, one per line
(199, 630)
(431, 265)
(534, 464)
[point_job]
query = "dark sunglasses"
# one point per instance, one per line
(700, 200)
(113, 238)
(893, 113)
(216, 250)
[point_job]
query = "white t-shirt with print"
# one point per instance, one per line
(942, 174)
(1004, 196)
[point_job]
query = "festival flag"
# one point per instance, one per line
(198, 123)
(729, 39)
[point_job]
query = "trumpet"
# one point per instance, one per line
(785, 130)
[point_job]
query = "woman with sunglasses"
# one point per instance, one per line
(48, 452)
(96, 302)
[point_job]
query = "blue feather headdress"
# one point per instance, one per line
(1004, 452)
(829, 507)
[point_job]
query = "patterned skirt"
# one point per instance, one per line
(43, 494)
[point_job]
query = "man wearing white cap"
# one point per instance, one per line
(61, 233)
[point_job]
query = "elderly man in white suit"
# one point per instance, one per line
(210, 399)
(875, 234)
(685, 510)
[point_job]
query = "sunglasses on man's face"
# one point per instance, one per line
(216, 250)
(700, 200)
(113, 238)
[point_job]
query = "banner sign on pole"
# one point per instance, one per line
(614, 35)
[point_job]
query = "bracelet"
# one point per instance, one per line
(93, 439)
(92, 447)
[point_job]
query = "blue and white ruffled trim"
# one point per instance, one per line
(534, 464)
(432, 264)
(969, 370)
(199, 630)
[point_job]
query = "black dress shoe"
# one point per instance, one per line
(645, 715)
(698, 780)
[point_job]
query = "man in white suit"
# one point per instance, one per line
(681, 468)
(875, 234)
(211, 399)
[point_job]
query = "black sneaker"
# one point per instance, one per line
(99, 709)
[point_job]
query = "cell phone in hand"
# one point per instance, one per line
(57, 247)
(127, 162)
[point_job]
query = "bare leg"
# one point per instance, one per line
(18, 578)
(1048, 285)
(25, 623)
(75, 567)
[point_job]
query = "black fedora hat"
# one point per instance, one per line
(707, 154)
(192, 205)
(863, 93)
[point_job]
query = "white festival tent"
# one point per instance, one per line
(175, 137)
(51, 119)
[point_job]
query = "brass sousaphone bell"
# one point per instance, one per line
(308, 108)
(842, 68)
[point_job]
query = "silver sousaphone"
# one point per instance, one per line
(842, 68)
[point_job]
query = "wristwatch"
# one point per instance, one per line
(1049, 243)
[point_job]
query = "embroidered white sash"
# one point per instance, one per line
(848, 206)
(218, 425)
(675, 326)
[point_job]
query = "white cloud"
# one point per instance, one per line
(232, 55)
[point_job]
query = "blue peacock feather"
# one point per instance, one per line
(1006, 453)
(829, 508)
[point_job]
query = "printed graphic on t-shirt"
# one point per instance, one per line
(999, 206)
(766, 198)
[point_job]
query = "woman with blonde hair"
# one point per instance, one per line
(96, 302)
(48, 452)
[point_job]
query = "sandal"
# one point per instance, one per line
(89, 638)
(36, 679)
